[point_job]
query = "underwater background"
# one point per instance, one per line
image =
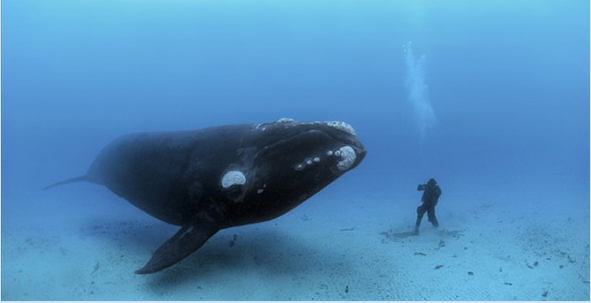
(491, 98)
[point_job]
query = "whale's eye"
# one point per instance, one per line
(233, 177)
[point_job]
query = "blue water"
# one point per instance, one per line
(489, 97)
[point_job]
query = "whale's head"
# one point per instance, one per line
(291, 162)
(316, 149)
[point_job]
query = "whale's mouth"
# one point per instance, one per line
(348, 153)
(353, 152)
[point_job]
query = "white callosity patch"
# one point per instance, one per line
(347, 155)
(233, 177)
(260, 190)
(260, 127)
(263, 127)
(307, 162)
(285, 120)
(341, 126)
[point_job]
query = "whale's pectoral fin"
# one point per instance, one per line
(71, 180)
(187, 240)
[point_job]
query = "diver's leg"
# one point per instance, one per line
(431, 216)
(420, 212)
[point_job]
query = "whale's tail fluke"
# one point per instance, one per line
(75, 179)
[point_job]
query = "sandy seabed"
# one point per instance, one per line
(85, 244)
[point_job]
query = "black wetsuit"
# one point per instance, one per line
(430, 197)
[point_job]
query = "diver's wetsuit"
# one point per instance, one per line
(430, 197)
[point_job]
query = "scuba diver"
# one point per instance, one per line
(431, 193)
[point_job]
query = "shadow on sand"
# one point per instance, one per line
(260, 250)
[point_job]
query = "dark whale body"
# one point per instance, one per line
(219, 177)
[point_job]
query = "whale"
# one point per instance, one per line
(224, 176)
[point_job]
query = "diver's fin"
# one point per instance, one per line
(187, 240)
(75, 179)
